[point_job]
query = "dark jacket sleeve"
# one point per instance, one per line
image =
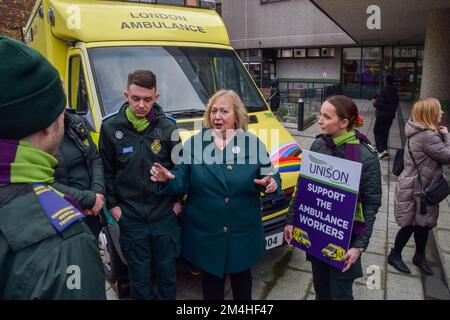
(370, 191)
(107, 154)
(379, 100)
(97, 171)
(86, 198)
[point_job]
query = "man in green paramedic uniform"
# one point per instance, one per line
(45, 251)
(130, 142)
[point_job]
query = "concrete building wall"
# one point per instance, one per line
(292, 23)
(436, 65)
(311, 68)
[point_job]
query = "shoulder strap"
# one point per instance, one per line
(78, 125)
(415, 164)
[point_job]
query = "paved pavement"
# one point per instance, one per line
(285, 274)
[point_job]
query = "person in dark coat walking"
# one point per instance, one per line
(386, 106)
(339, 116)
(274, 94)
(429, 144)
(224, 170)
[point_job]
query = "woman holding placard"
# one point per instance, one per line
(339, 117)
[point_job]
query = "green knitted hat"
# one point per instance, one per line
(31, 93)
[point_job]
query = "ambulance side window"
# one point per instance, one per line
(78, 94)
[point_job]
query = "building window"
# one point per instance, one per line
(299, 53)
(371, 71)
(286, 53)
(302, 53)
(249, 55)
(351, 72)
(327, 52)
(420, 52)
(387, 60)
(313, 53)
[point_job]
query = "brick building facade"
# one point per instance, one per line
(14, 14)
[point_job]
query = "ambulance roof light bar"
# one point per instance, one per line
(211, 4)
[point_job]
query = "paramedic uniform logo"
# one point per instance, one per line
(156, 146)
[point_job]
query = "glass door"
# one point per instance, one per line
(404, 72)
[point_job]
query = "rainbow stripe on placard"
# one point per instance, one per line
(287, 157)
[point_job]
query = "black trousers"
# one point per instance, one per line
(383, 123)
(146, 245)
(420, 238)
(214, 287)
(330, 283)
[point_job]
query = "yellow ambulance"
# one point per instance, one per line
(333, 252)
(302, 237)
(95, 44)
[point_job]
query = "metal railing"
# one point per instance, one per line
(300, 107)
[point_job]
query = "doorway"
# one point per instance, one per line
(405, 78)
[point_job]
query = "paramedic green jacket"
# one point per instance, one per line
(128, 156)
(38, 262)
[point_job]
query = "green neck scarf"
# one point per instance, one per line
(140, 124)
(21, 162)
(348, 137)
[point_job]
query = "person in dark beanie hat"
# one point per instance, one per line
(44, 248)
(30, 86)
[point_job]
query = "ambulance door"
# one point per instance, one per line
(78, 95)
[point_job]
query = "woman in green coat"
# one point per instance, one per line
(339, 116)
(223, 170)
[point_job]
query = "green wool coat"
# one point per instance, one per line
(222, 230)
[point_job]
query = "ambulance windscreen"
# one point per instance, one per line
(186, 76)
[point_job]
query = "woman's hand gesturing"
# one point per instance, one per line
(268, 182)
(160, 174)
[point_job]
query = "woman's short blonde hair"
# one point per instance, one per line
(238, 106)
(426, 112)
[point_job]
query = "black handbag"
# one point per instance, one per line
(437, 191)
(398, 165)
